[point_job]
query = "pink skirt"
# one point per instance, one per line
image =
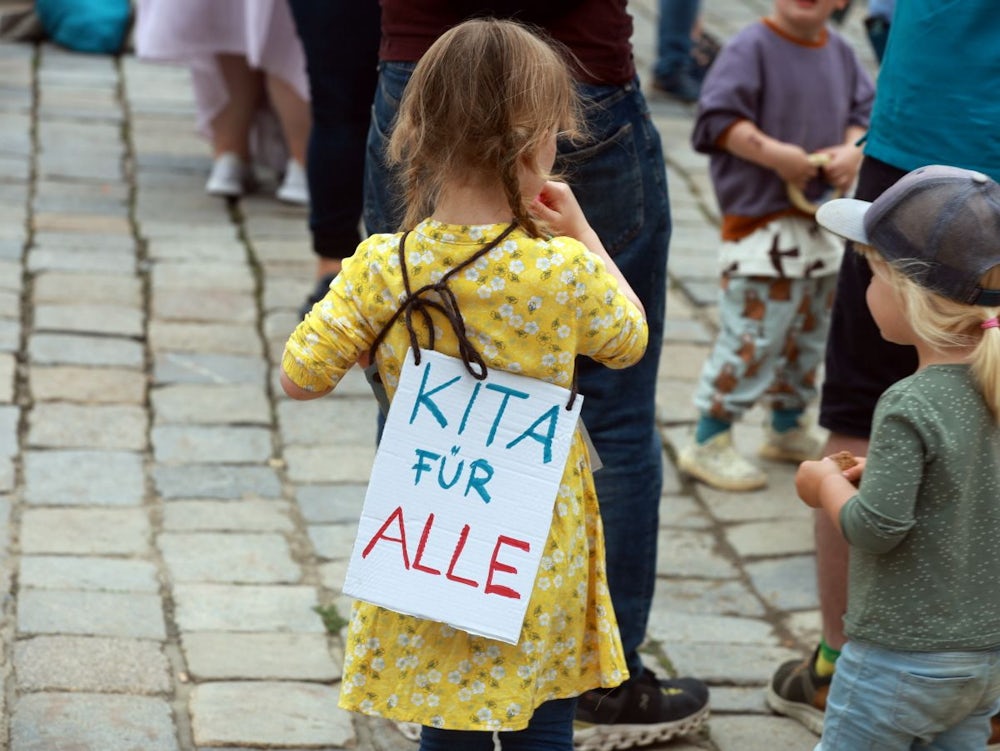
(193, 32)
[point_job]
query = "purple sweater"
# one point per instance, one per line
(793, 91)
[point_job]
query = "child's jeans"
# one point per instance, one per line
(884, 700)
(550, 729)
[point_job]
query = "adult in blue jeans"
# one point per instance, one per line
(619, 178)
(340, 40)
(674, 72)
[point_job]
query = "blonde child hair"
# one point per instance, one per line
(484, 99)
(946, 324)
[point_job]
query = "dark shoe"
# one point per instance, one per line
(797, 692)
(318, 293)
(681, 85)
(704, 50)
(994, 741)
(639, 712)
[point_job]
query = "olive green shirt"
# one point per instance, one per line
(924, 527)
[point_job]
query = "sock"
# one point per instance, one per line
(708, 428)
(783, 420)
(826, 659)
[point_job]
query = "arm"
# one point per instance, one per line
(822, 485)
(745, 140)
(558, 208)
(297, 392)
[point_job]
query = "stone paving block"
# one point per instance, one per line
(60, 425)
(269, 713)
(10, 275)
(221, 306)
(215, 338)
(92, 722)
(8, 370)
(74, 663)
(57, 611)
(182, 367)
(678, 510)
(777, 501)
(320, 504)
(230, 557)
(200, 444)
(72, 349)
(332, 575)
(83, 478)
(729, 664)
(10, 302)
(88, 385)
(210, 403)
(332, 541)
(760, 734)
(46, 258)
(224, 481)
(289, 657)
(89, 319)
(329, 464)
(9, 418)
(223, 516)
(59, 287)
(79, 198)
(110, 224)
(690, 553)
(772, 537)
(805, 626)
(10, 334)
(248, 608)
(333, 420)
(75, 572)
(738, 700)
(674, 628)
(705, 597)
(76, 531)
(201, 277)
(786, 583)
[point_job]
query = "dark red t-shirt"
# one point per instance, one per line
(598, 32)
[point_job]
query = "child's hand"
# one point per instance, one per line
(792, 164)
(558, 208)
(845, 160)
(810, 476)
(853, 474)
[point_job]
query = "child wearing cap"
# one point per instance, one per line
(783, 95)
(922, 664)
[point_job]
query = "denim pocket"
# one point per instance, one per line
(926, 705)
(606, 178)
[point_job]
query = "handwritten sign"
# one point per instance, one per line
(460, 499)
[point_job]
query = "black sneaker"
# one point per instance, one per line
(640, 712)
(796, 691)
(680, 85)
(318, 293)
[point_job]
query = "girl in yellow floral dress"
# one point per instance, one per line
(475, 141)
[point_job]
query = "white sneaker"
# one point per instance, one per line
(793, 446)
(230, 177)
(716, 463)
(294, 188)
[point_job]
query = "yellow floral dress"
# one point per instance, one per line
(530, 306)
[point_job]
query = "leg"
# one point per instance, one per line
(673, 72)
(293, 113)
(437, 739)
(231, 127)
(620, 182)
(342, 79)
(550, 729)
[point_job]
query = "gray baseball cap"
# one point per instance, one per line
(945, 220)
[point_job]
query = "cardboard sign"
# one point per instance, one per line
(460, 499)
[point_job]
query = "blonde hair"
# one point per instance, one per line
(483, 99)
(946, 324)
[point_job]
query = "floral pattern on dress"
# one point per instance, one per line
(529, 306)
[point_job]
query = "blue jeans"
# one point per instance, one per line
(340, 40)
(620, 180)
(884, 700)
(673, 36)
(550, 729)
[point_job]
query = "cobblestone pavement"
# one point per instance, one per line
(169, 522)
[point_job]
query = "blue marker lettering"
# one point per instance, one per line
(423, 397)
